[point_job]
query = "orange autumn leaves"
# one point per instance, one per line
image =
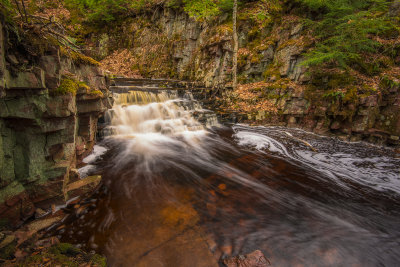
(248, 98)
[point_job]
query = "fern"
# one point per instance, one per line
(345, 31)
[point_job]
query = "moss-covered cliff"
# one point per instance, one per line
(332, 68)
(49, 106)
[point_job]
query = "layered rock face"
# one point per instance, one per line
(168, 43)
(44, 132)
(373, 118)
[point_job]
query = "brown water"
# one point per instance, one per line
(176, 193)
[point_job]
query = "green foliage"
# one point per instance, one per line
(5, 4)
(389, 83)
(201, 9)
(101, 12)
(347, 30)
(334, 95)
(7, 10)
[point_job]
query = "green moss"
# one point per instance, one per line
(78, 58)
(65, 249)
(255, 59)
(351, 95)
(99, 260)
(329, 80)
(67, 86)
(96, 92)
(83, 86)
(289, 42)
(64, 254)
(333, 96)
(254, 34)
(272, 70)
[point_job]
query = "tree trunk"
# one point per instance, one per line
(235, 45)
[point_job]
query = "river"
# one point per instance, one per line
(179, 189)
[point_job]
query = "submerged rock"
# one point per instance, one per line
(254, 259)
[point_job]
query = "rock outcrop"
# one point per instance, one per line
(44, 130)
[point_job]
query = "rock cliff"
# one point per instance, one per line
(277, 88)
(49, 106)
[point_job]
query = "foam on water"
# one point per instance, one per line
(367, 165)
(97, 152)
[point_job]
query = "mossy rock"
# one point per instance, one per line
(67, 86)
(65, 249)
(78, 58)
(64, 254)
(97, 93)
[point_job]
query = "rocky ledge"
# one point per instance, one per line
(48, 122)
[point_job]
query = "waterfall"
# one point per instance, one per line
(156, 113)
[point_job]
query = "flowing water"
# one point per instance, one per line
(181, 190)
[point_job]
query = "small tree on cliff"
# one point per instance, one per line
(235, 45)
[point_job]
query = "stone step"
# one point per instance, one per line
(124, 89)
(142, 82)
(163, 83)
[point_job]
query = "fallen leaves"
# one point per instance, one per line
(246, 98)
(120, 62)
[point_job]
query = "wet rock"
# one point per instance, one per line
(43, 223)
(90, 180)
(254, 259)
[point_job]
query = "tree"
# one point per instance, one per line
(235, 45)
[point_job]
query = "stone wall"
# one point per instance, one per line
(43, 134)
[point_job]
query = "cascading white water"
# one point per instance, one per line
(142, 113)
(158, 135)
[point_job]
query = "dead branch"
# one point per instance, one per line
(19, 10)
(62, 37)
(26, 15)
